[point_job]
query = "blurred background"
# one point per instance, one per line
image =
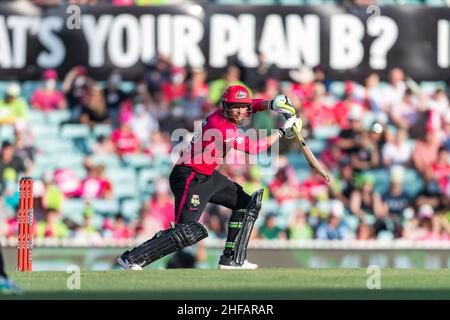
(89, 103)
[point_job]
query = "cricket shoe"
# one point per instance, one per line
(227, 263)
(125, 264)
(8, 287)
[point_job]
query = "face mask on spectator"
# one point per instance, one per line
(177, 78)
(50, 84)
(115, 79)
(80, 81)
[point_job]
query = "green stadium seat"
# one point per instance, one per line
(127, 86)
(337, 88)
(57, 116)
(69, 160)
(52, 146)
(73, 209)
(138, 160)
(128, 190)
(317, 146)
(124, 182)
(297, 160)
(429, 87)
(291, 2)
(303, 173)
(352, 222)
(262, 2)
(435, 3)
(326, 132)
(75, 131)
(7, 133)
(36, 117)
(43, 131)
(108, 160)
(130, 208)
(106, 207)
(102, 130)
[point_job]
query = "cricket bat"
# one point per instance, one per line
(309, 156)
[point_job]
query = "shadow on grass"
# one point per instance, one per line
(304, 294)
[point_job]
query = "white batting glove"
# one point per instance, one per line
(282, 104)
(286, 129)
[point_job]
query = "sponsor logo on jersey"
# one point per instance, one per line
(195, 200)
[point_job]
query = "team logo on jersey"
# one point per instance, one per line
(195, 200)
(239, 139)
(241, 95)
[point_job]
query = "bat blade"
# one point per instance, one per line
(310, 158)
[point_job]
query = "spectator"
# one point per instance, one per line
(316, 111)
(52, 226)
(373, 95)
(161, 204)
(87, 230)
(440, 169)
(24, 143)
(397, 152)
(256, 78)
(335, 228)
(67, 181)
(364, 200)
(103, 146)
(285, 186)
(53, 198)
(349, 137)
(143, 124)
(395, 202)
(147, 224)
(365, 154)
(232, 76)
(159, 146)
(124, 140)
(114, 96)
(365, 231)
(13, 107)
(11, 165)
(198, 83)
(439, 103)
(116, 229)
(269, 230)
(95, 111)
(95, 185)
(76, 86)
(348, 110)
(176, 88)
(405, 114)
(192, 105)
(49, 97)
(425, 153)
(298, 227)
(344, 184)
(303, 85)
(395, 90)
(158, 72)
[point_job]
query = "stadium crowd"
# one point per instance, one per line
(389, 184)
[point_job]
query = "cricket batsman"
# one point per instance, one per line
(195, 182)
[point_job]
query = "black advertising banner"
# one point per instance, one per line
(347, 42)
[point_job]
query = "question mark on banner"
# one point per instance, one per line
(73, 21)
(374, 10)
(386, 32)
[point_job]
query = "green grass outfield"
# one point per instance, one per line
(225, 284)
